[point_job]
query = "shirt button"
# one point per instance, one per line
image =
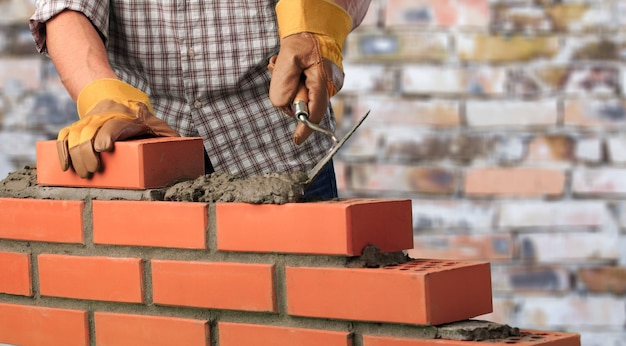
(191, 53)
(197, 104)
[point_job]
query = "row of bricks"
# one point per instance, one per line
(574, 116)
(410, 145)
(479, 182)
(347, 228)
(393, 46)
(485, 216)
(574, 312)
(537, 248)
(475, 82)
(498, 16)
(559, 279)
(424, 291)
(571, 80)
(27, 325)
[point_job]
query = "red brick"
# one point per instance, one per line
(236, 334)
(15, 274)
(397, 178)
(230, 286)
(141, 223)
(335, 227)
(139, 330)
(417, 292)
(31, 326)
(41, 220)
(93, 278)
(528, 337)
(514, 182)
(136, 164)
(603, 279)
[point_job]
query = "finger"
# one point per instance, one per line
(318, 93)
(63, 154)
(301, 133)
(90, 158)
(284, 83)
(77, 162)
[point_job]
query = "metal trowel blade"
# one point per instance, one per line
(313, 173)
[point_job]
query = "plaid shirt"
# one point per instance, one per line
(204, 65)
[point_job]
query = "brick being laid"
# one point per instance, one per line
(136, 164)
(426, 292)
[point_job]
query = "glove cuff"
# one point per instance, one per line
(322, 17)
(110, 89)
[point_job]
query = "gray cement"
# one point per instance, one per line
(222, 187)
(216, 187)
(476, 330)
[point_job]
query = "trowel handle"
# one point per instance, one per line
(300, 102)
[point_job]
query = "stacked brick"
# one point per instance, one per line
(114, 271)
(502, 121)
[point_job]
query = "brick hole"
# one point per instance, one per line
(448, 264)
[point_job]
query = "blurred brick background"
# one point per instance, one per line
(503, 121)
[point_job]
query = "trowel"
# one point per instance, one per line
(300, 111)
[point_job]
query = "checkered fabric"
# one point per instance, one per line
(204, 65)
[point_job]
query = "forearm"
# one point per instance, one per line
(356, 8)
(77, 51)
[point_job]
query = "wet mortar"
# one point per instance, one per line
(221, 187)
(272, 188)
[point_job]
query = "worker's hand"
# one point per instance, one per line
(109, 110)
(312, 34)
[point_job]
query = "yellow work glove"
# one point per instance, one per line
(312, 34)
(109, 110)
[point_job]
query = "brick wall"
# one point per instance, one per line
(500, 120)
(123, 270)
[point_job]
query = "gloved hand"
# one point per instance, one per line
(109, 110)
(312, 34)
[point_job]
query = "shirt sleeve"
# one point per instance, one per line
(96, 10)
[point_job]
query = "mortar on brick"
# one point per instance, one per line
(475, 330)
(217, 187)
(373, 258)
(222, 187)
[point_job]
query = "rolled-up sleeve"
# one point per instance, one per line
(96, 10)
